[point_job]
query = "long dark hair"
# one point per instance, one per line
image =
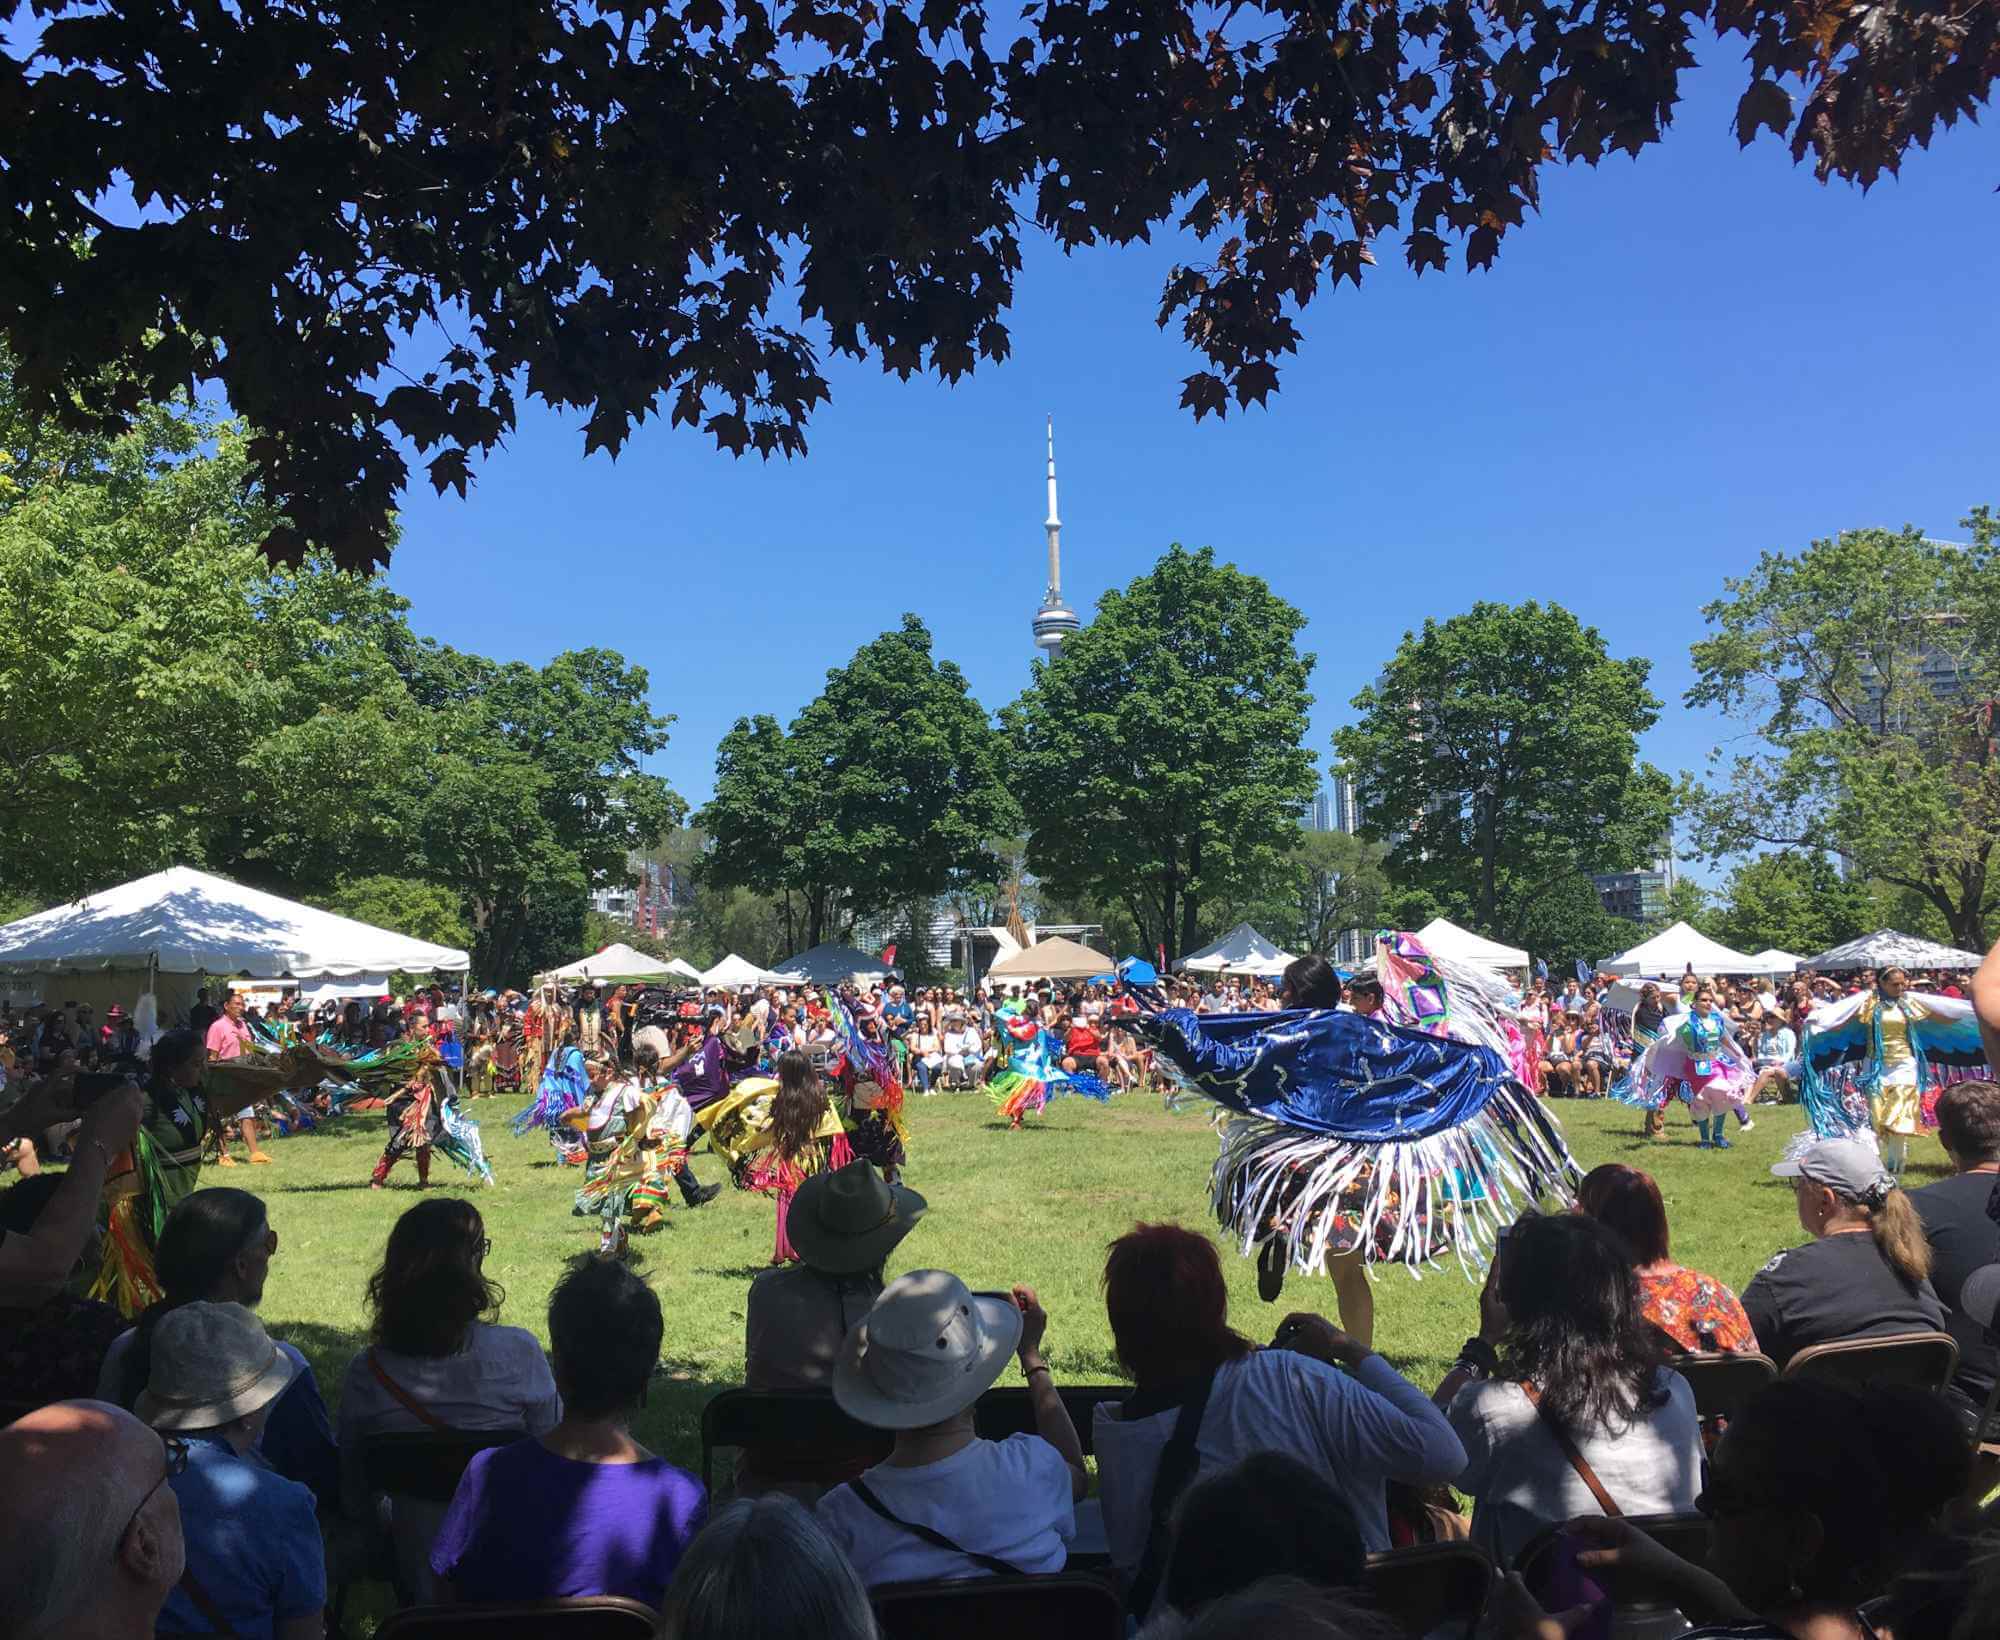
(430, 1288)
(798, 1107)
(202, 1235)
(1310, 982)
(1575, 1327)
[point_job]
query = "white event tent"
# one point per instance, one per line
(829, 965)
(621, 964)
(1055, 958)
(734, 972)
(1889, 949)
(1774, 961)
(1446, 939)
(172, 931)
(1674, 950)
(1241, 951)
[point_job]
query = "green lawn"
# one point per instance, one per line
(1036, 1206)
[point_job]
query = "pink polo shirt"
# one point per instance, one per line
(227, 1038)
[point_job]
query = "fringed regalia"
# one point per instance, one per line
(738, 1126)
(1843, 1088)
(1691, 1061)
(1349, 1133)
(509, 1038)
(866, 1075)
(633, 1157)
(565, 1085)
(1034, 1073)
(424, 1116)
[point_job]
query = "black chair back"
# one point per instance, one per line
(1045, 1605)
(1722, 1383)
(776, 1421)
(1925, 1359)
(1431, 1586)
(427, 1463)
(596, 1617)
(1009, 1411)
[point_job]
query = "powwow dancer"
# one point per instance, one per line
(1034, 1072)
(1877, 1061)
(1696, 1058)
(638, 1143)
(564, 1086)
(800, 1143)
(423, 1116)
(1345, 1133)
(871, 1091)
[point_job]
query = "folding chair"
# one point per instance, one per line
(1010, 1411)
(805, 1422)
(428, 1463)
(1431, 1586)
(1721, 1382)
(1925, 1359)
(1046, 1605)
(595, 1617)
(1639, 1601)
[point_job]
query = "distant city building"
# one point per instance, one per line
(1640, 896)
(1343, 806)
(648, 902)
(1936, 666)
(1055, 621)
(1320, 816)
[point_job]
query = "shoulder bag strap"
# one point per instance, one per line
(1577, 1461)
(930, 1535)
(1177, 1466)
(204, 1603)
(410, 1404)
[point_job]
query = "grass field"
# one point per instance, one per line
(1036, 1206)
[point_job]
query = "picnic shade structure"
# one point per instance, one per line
(1241, 951)
(734, 972)
(1889, 949)
(169, 932)
(829, 965)
(619, 965)
(1446, 939)
(1674, 950)
(1053, 959)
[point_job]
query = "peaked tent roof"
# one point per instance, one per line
(1774, 961)
(1447, 939)
(1672, 950)
(615, 962)
(733, 970)
(1242, 949)
(681, 966)
(184, 921)
(1053, 959)
(829, 965)
(1886, 949)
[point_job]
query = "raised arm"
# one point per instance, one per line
(1052, 1419)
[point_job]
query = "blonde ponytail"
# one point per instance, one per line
(1899, 1233)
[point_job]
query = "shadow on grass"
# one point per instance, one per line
(271, 1187)
(739, 1272)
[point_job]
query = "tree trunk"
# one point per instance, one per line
(1191, 902)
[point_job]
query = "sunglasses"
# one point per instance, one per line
(177, 1462)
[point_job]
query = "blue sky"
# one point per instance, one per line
(1683, 361)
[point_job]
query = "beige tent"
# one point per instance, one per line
(1053, 959)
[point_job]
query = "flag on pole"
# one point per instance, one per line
(889, 955)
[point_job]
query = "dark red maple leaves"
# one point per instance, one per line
(375, 223)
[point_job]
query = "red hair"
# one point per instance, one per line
(1627, 1201)
(1168, 1305)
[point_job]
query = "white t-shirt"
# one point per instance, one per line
(1357, 1429)
(673, 1117)
(1519, 1480)
(1009, 1499)
(964, 1043)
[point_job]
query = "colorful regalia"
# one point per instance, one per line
(564, 1085)
(1378, 1135)
(633, 1156)
(865, 1072)
(1693, 1058)
(1870, 1064)
(424, 1116)
(1034, 1073)
(509, 1042)
(738, 1126)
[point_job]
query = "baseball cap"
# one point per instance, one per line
(1851, 1167)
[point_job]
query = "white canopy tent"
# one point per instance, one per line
(1674, 950)
(829, 965)
(619, 964)
(1774, 961)
(735, 972)
(1053, 959)
(1889, 949)
(1446, 939)
(686, 969)
(1241, 951)
(169, 932)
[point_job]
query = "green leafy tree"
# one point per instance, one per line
(1567, 921)
(1686, 902)
(1792, 900)
(1160, 758)
(1497, 756)
(405, 905)
(883, 790)
(1865, 668)
(1339, 883)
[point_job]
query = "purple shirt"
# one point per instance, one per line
(526, 1524)
(702, 1080)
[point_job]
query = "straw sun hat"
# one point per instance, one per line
(928, 1349)
(212, 1364)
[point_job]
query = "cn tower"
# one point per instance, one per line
(1055, 621)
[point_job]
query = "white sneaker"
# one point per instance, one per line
(1747, 1126)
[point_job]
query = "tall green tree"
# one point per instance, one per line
(1567, 921)
(1792, 900)
(1160, 758)
(1865, 670)
(884, 788)
(1339, 883)
(1498, 755)
(406, 905)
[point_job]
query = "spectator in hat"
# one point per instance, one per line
(947, 1503)
(90, 1549)
(1865, 1273)
(1962, 1237)
(255, 1564)
(962, 1052)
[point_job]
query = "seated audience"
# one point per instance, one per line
(1866, 1271)
(1563, 1393)
(91, 1549)
(1268, 1516)
(256, 1567)
(1962, 1237)
(36, 1261)
(1777, 1046)
(962, 1052)
(764, 1569)
(435, 1363)
(218, 1245)
(584, 1509)
(1168, 1308)
(54, 1349)
(946, 1503)
(1691, 1311)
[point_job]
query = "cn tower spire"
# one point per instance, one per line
(1055, 621)
(1053, 523)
